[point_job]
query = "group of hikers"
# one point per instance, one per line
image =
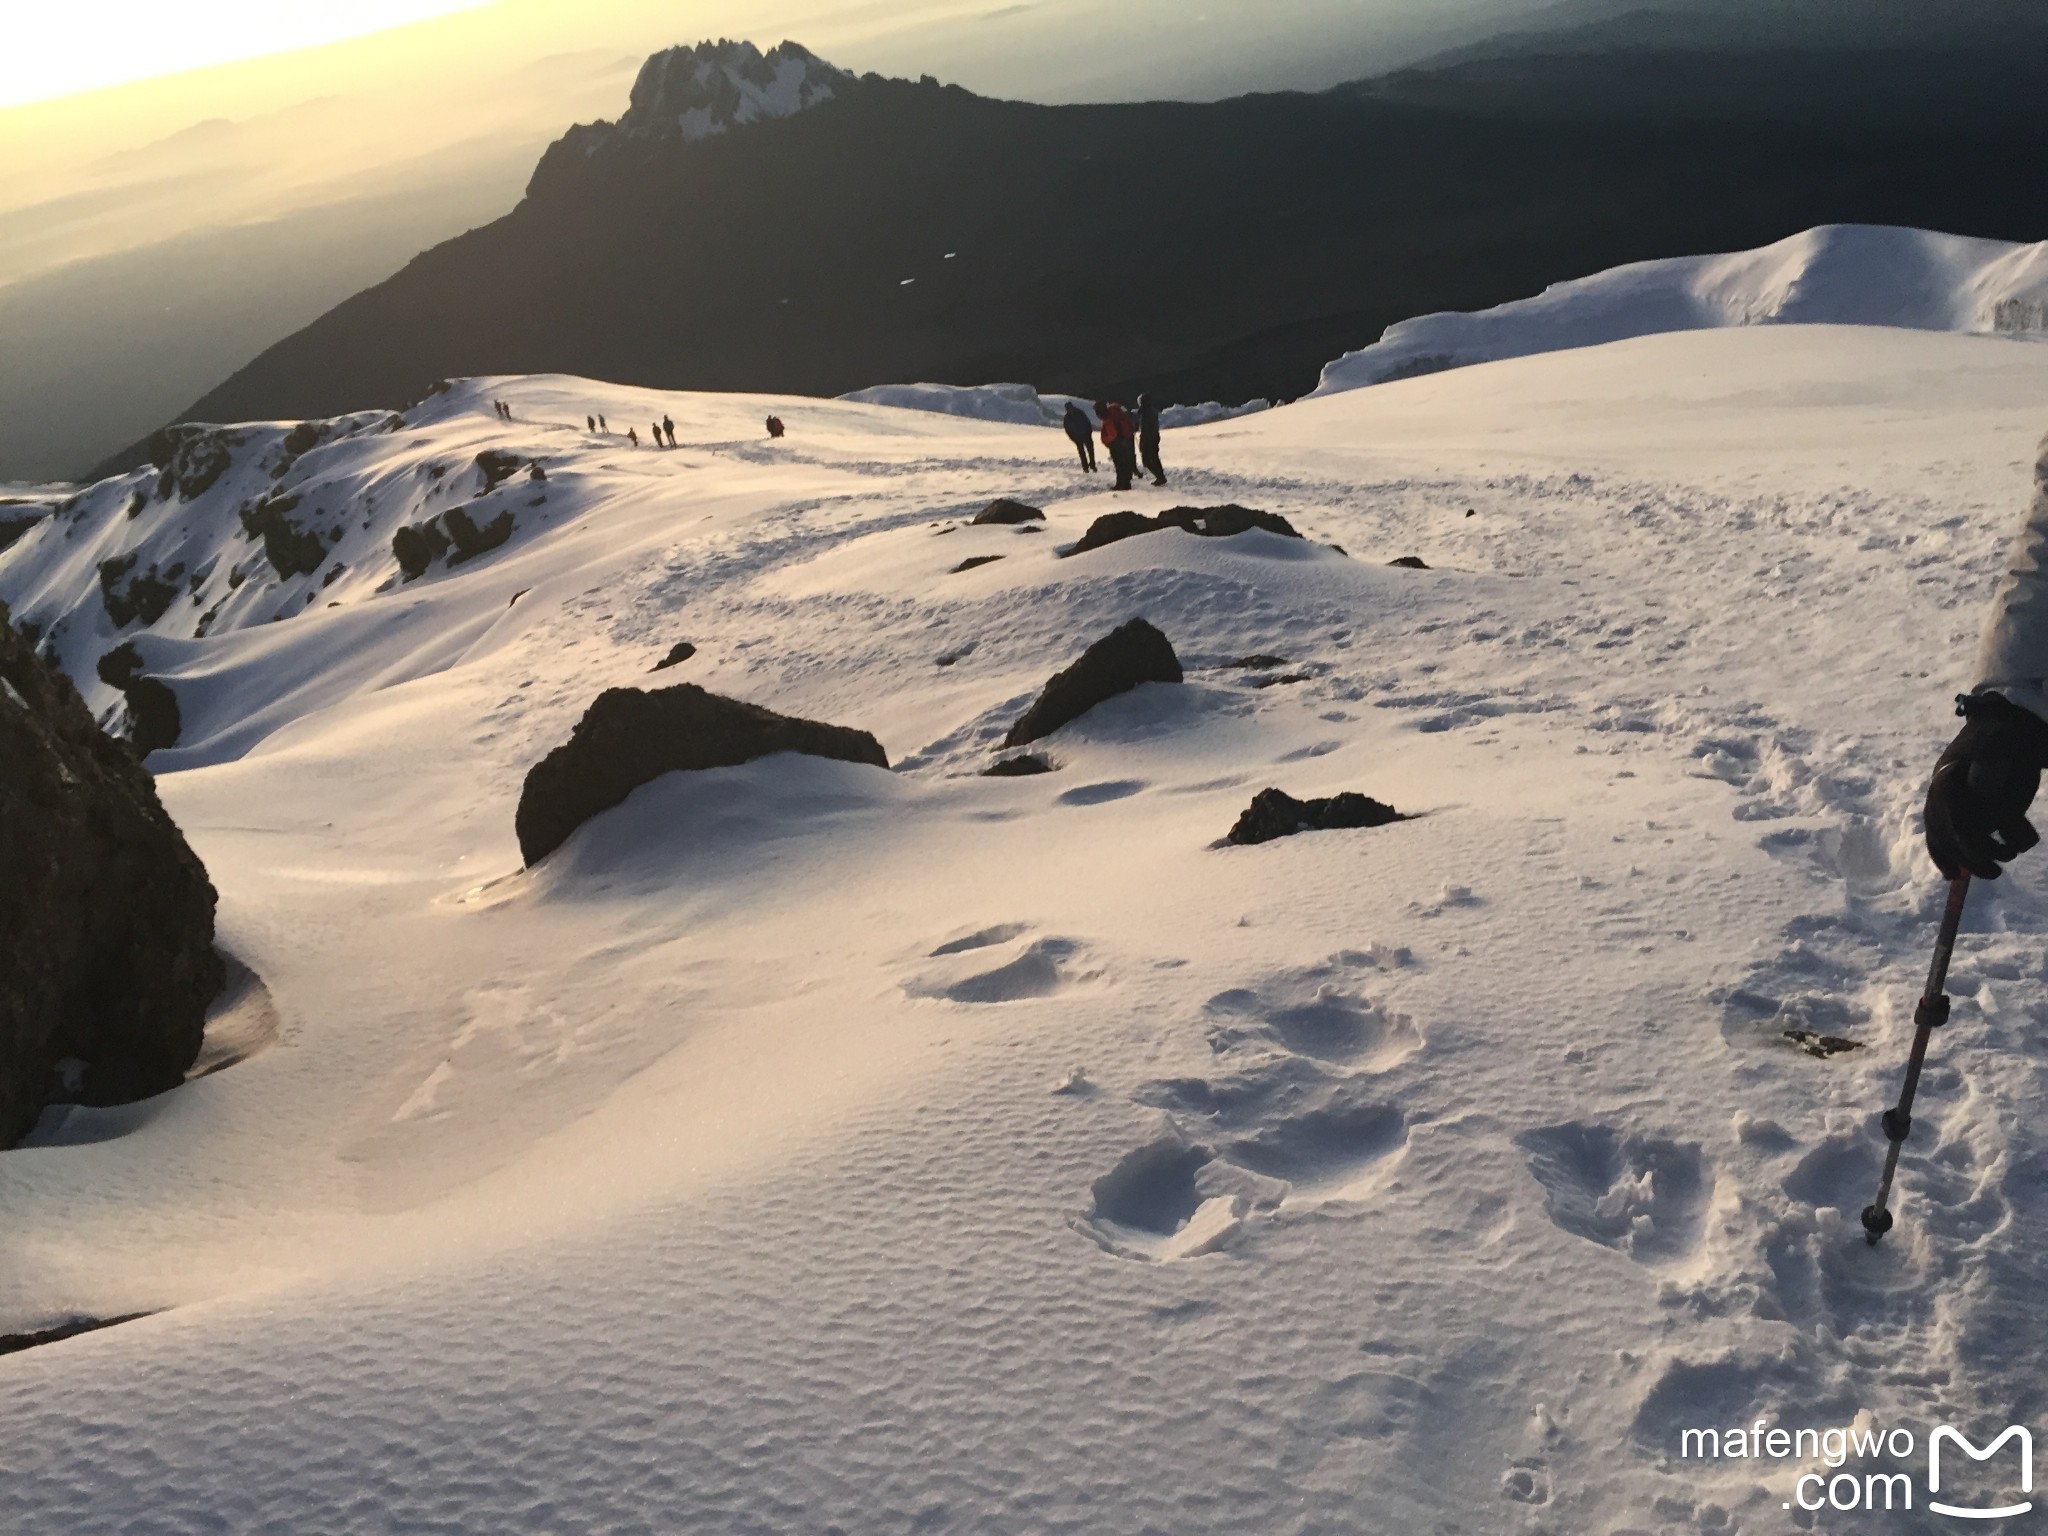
(657, 430)
(1129, 441)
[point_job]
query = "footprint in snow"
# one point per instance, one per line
(1642, 1196)
(1318, 1012)
(1001, 964)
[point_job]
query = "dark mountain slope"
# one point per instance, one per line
(1222, 250)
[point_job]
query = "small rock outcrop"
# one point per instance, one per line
(1006, 513)
(108, 964)
(191, 456)
(496, 466)
(973, 562)
(1274, 813)
(1410, 563)
(1208, 522)
(1131, 654)
(678, 653)
(1017, 767)
(291, 550)
(153, 720)
(629, 736)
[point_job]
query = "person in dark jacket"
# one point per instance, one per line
(775, 426)
(633, 436)
(1082, 433)
(590, 422)
(1148, 438)
(1119, 436)
(669, 426)
(655, 428)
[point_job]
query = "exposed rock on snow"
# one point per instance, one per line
(1210, 522)
(1017, 767)
(152, 706)
(1274, 813)
(678, 653)
(628, 737)
(190, 457)
(1837, 274)
(496, 466)
(1128, 655)
(291, 550)
(1410, 563)
(973, 562)
(128, 595)
(109, 963)
(1006, 513)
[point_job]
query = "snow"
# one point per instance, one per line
(808, 1146)
(1839, 274)
(1023, 405)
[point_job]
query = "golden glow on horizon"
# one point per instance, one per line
(55, 51)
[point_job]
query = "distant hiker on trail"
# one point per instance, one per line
(1081, 432)
(1148, 438)
(633, 437)
(669, 426)
(590, 422)
(655, 428)
(1986, 780)
(1117, 437)
(603, 425)
(775, 426)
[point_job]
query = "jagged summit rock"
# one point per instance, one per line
(695, 92)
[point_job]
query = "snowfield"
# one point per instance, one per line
(1838, 274)
(808, 1147)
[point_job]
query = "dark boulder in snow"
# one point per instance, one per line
(15, 522)
(496, 466)
(108, 964)
(1410, 563)
(1017, 767)
(1007, 513)
(629, 737)
(470, 540)
(128, 595)
(1131, 654)
(153, 721)
(418, 545)
(1208, 522)
(190, 457)
(291, 550)
(678, 653)
(973, 562)
(1274, 813)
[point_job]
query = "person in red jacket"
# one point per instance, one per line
(1119, 436)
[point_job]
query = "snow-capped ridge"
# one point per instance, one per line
(1836, 274)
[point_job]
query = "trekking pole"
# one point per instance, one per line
(1928, 1016)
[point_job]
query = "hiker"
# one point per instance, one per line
(590, 422)
(655, 428)
(1081, 431)
(669, 426)
(633, 437)
(1148, 438)
(604, 426)
(1983, 784)
(1117, 435)
(775, 426)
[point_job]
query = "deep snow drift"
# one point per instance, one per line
(1839, 274)
(809, 1146)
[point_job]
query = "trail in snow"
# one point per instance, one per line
(807, 1146)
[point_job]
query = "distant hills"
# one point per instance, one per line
(767, 223)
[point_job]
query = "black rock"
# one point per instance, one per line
(496, 466)
(470, 540)
(291, 550)
(1007, 513)
(1274, 813)
(12, 528)
(628, 737)
(108, 962)
(191, 457)
(129, 597)
(1209, 522)
(153, 721)
(1410, 563)
(678, 653)
(973, 561)
(1258, 662)
(1017, 767)
(1131, 654)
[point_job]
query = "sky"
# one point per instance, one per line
(49, 56)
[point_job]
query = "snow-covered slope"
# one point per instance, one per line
(1840, 274)
(809, 1146)
(1022, 405)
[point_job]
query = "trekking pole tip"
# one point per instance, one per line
(1876, 1222)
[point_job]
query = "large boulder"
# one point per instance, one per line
(1275, 813)
(629, 736)
(108, 962)
(1222, 522)
(1131, 654)
(1005, 513)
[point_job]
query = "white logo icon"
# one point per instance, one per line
(1946, 1432)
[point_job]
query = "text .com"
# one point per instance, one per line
(1891, 1485)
